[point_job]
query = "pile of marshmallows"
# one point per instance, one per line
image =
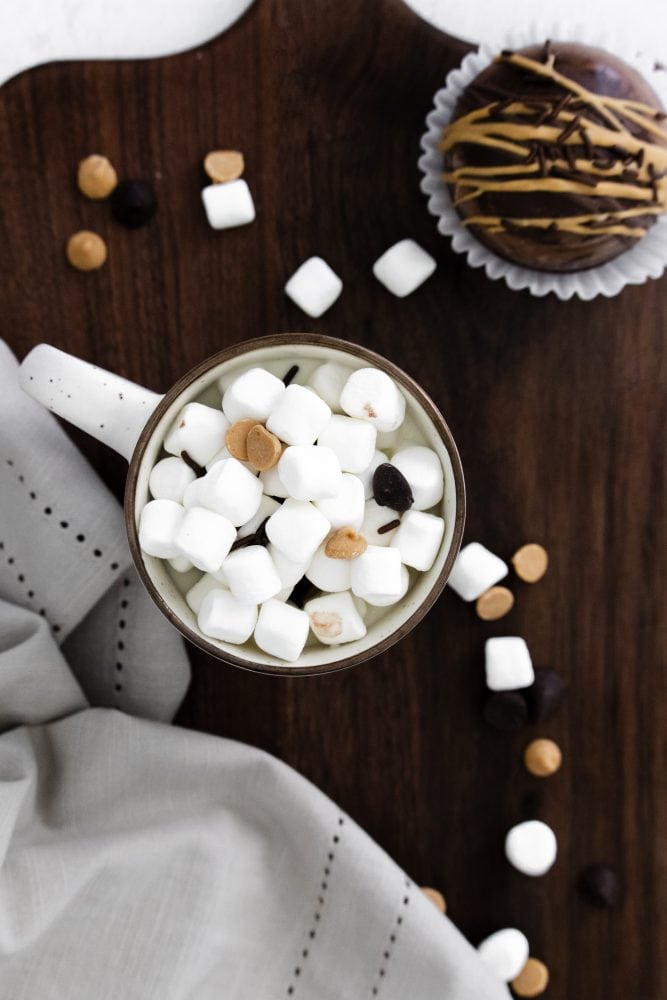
(292, 489)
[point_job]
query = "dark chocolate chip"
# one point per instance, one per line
(302, 592)
(544, 695)
(602, 885)
(290, 375)
(133, 203)
(391, 488)
(506, 711)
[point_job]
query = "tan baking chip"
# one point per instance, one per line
(533, 979)
(96, 177)
(264, 448)
(542, 758)
(346, 543)
(86, 251)
(530, 562)
(236, 438)
(224, 165)
(494, 603)
(436, 898)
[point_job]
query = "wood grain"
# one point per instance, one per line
(558, 409)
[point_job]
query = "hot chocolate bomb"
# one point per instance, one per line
(556, 157)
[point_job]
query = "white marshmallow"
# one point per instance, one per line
(204, 538)
(220, 576)
(328, 380)
(404, 267)
(367, 475)
(376, 574)
(267, 507)
(309, 472)
(158, 525)
(290, 572)
(226, 379)
(314, 287)
(505, 953)
(202, 587)
(252, 395)
(376, 517)
(352, 440)
(332, 575)
(371, 395)
(231, 490)
(423, 471)
(191, 497)
(282, 630)
(508, 664)
(272, 484)
(347, 506)
(170, 478)
(383, 601)
(334, 618)
(222, 617)
(298, 416)
(418, 539)
(475, 570)
(228, 205)
(531, 847)
(200, 430)
(297, 529)
(251, 575)
(226, 453)
(180, 564)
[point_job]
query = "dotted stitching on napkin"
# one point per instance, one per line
(324, 885)
(120, 645)
(386, 954)
(30, 593)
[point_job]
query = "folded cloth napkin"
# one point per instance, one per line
(64, 554)
(145, 862)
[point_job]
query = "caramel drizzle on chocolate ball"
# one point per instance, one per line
(578, 144)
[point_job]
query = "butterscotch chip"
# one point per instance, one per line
(96, 177)
(236, 438)
(86, 251)
(224, 165)
(436, 898)
(530, 562)
(494, 603)
(533, 979)
(542, 758)
(264, 448)
(346, 543)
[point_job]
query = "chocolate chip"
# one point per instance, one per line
(133, 203)
(545, 694)
(601, 885)
(391, 488)
(506, 711)
(302, 592)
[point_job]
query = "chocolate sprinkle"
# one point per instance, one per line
(198, 470)
(290, 375)
(258, 537)
(389, 526)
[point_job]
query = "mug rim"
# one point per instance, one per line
(281, 340)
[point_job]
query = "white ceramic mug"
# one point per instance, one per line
(134, 421)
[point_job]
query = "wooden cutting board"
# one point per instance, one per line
(558, 409)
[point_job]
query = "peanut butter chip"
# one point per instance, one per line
(542, 758)
(86, 251)
(530, 562)
(264, 448)
(494, 603)
(327, 624)
(346, 543)
(224, 165)
(236, 438)
(96, 177)
(436, 898)
(533, 979)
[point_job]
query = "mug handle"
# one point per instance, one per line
(110, 408)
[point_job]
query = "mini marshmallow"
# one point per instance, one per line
(267, 507)
(200, 430)
(376, 517)
(180, 564)
(309, 472)
(170, 478)
(204, 538)
(505, 953)
(328, 380)
(531, 847)
(251, 575)
(423, 471)
(366, 476)
(314, 287)
(299, 416)
(383, 601)
(475, 570)
(226, 453)
(202, 587)
(272, 484)
(332, 575)
(222, 617)
(352, 440)
(376, 574)
(404, 267)
(158, 525)
(282, 630)
(252, 395)
(290, 572)
(418, 539)
(347, 506)
(191, 497)
(371, 395)
(334, 619)
(297, 529)
(228, 205)
(231, 490)
(508, 664)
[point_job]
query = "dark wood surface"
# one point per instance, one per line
(558, 410)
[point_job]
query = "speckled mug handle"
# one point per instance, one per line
(108, 407)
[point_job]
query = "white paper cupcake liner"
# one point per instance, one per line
(648, 259)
